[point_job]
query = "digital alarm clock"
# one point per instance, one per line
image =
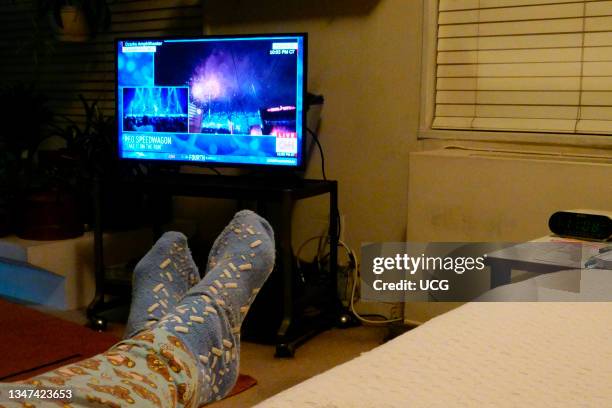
(583, 224)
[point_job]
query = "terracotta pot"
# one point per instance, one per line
(75, 25)
(50, 215)
(6, 224)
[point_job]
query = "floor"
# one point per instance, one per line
(273, 375)
(321, 353)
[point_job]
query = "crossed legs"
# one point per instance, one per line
(182, 344)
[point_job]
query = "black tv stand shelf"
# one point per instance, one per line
(261, 188)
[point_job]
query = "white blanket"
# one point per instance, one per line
(479, 355)
(577, 285)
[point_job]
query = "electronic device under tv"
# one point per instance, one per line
(213, 100)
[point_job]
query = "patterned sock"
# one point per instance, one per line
(160, 280)
(208, 318)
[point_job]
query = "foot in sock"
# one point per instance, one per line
(160, 281)
(209, 316)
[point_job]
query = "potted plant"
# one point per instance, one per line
(49, 209)
(54, 207)
(92, 145)
(75, 20)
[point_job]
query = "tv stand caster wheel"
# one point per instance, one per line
(284, 350)
(98, 323)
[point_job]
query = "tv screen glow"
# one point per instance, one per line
(215, 100)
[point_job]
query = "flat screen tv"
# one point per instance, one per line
(214, 100)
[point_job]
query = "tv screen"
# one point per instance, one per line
(219, 100)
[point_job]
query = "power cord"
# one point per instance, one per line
(354, 268)
(353, 292)
(339, 218)
(320, 257)
(299, 251)
(315, 137)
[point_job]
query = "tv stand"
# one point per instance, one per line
(283, 190)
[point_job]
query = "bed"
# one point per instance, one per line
(516, 354)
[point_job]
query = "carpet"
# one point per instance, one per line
(243, 383)
(33, 343)
(38, 342)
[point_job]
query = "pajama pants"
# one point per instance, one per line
(152, 369)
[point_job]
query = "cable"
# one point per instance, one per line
(352, 301)
(299, 251)
(339, 224)
(354, 265)
(315, 137)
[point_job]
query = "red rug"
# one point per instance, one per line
(34, 342)
(38, 342)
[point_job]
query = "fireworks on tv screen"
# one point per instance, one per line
(215, 100)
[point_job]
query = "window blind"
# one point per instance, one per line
(524, 65)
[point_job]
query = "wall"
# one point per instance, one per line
(459, 195)
(463, 196)
(364, 58)
(449, 202)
